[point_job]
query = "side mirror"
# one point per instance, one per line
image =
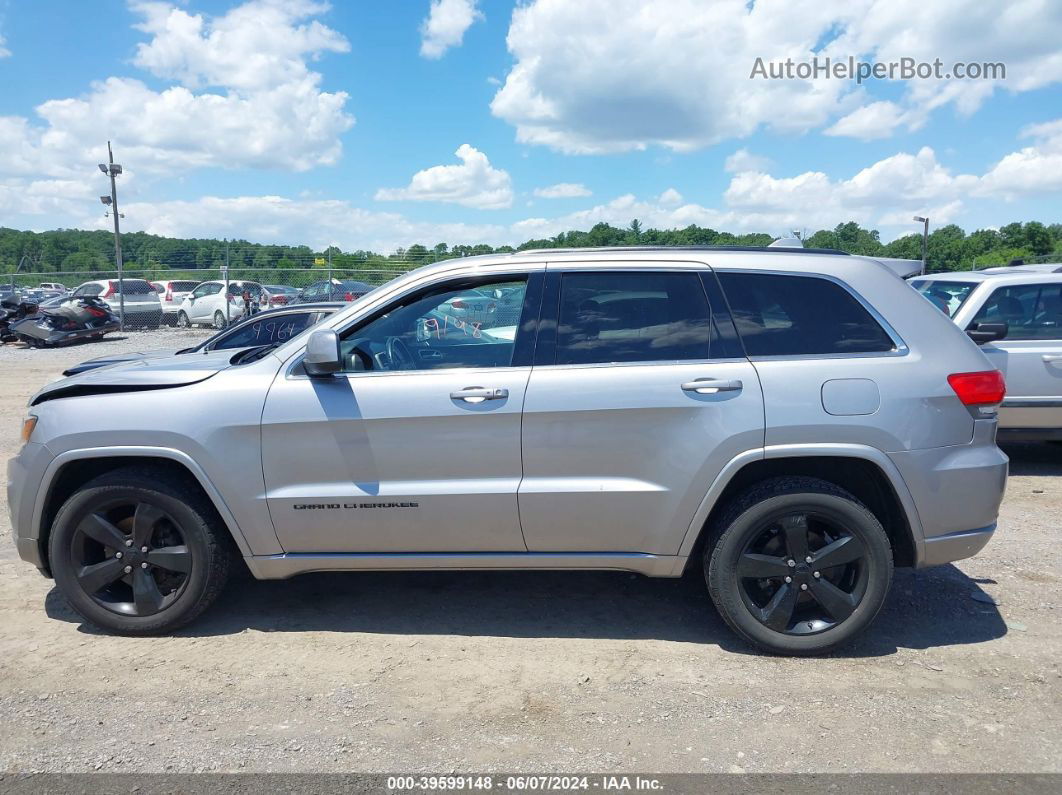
(322, 354)
(987, 332)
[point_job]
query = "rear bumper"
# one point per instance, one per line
(955, 489)
(955, 546)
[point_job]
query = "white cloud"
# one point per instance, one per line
(563, 190)
(616, 75)
(446, 25)
(744, 160)
(670, 196)
(4, 51)
(876, 120)
(271, 113)
(1031, 170)
(473, 183)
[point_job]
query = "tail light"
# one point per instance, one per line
(109, 292)
(348, 296)
(984, 388)
(459, 304)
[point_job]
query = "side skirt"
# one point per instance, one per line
(278, 567)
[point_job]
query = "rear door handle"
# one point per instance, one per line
(1051, 357)
(477, 394)
(709, 386)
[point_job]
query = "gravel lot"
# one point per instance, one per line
(537, 672)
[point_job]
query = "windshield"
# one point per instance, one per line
(946, 296)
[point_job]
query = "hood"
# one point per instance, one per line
(116, 358)
(138, 375)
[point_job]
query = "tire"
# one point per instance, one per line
(754, 546)
(219, 320)
(188, 558)
(182, 320)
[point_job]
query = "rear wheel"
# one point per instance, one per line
(182, 320)
(219, 320)
(798, 566)
(138, 554)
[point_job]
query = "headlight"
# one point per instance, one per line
(27, 428)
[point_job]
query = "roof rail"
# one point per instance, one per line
(764, 249)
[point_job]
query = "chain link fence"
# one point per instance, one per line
(298, 278)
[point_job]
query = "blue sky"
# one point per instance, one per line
(378, 125)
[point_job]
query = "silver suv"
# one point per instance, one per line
(797, 422)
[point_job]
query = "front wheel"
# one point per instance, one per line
(798, 566)
(219, 320)
(182, 320)
(137, 553)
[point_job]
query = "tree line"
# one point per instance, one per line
(62, 250)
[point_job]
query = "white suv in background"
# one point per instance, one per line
(142, 306)
(206, 304)
(1015, 314)
(171, 295)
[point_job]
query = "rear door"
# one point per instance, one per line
(1030, 357)
(638, 398)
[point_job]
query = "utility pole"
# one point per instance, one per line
(925, 238)
(228, 298)
(112, 169)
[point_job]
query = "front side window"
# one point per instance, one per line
(445, 327)
(779, 315)
(266, 330)
(945, 296)
(1031, 311)
(608, 317)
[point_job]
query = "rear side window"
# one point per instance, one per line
(1031, 311)
(632, 317)
(779, 315)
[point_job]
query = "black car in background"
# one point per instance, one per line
(265, 328)
(348, 290)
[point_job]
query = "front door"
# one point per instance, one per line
(633, 408)
(415, 447)
(1030, 357)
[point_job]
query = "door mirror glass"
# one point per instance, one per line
(322, 353)
(982, 333)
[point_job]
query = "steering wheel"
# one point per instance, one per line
(398, 355)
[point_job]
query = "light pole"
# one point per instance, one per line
(925, 238)
(112, 170)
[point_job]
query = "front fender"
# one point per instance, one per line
(48, 479)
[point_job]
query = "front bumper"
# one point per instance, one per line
(24, 475)
(955, 489)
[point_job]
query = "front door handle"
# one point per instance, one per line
(709, 386)
(477, 394)
(1051, 357)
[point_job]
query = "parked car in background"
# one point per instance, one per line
(791, 424)
(142, 306)
(265, 328)
(1015, 314)
(171, 295)
(209, 305)
(281, 294)
(335, 290)
(54, 286)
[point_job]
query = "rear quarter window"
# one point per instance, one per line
(780, 315)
